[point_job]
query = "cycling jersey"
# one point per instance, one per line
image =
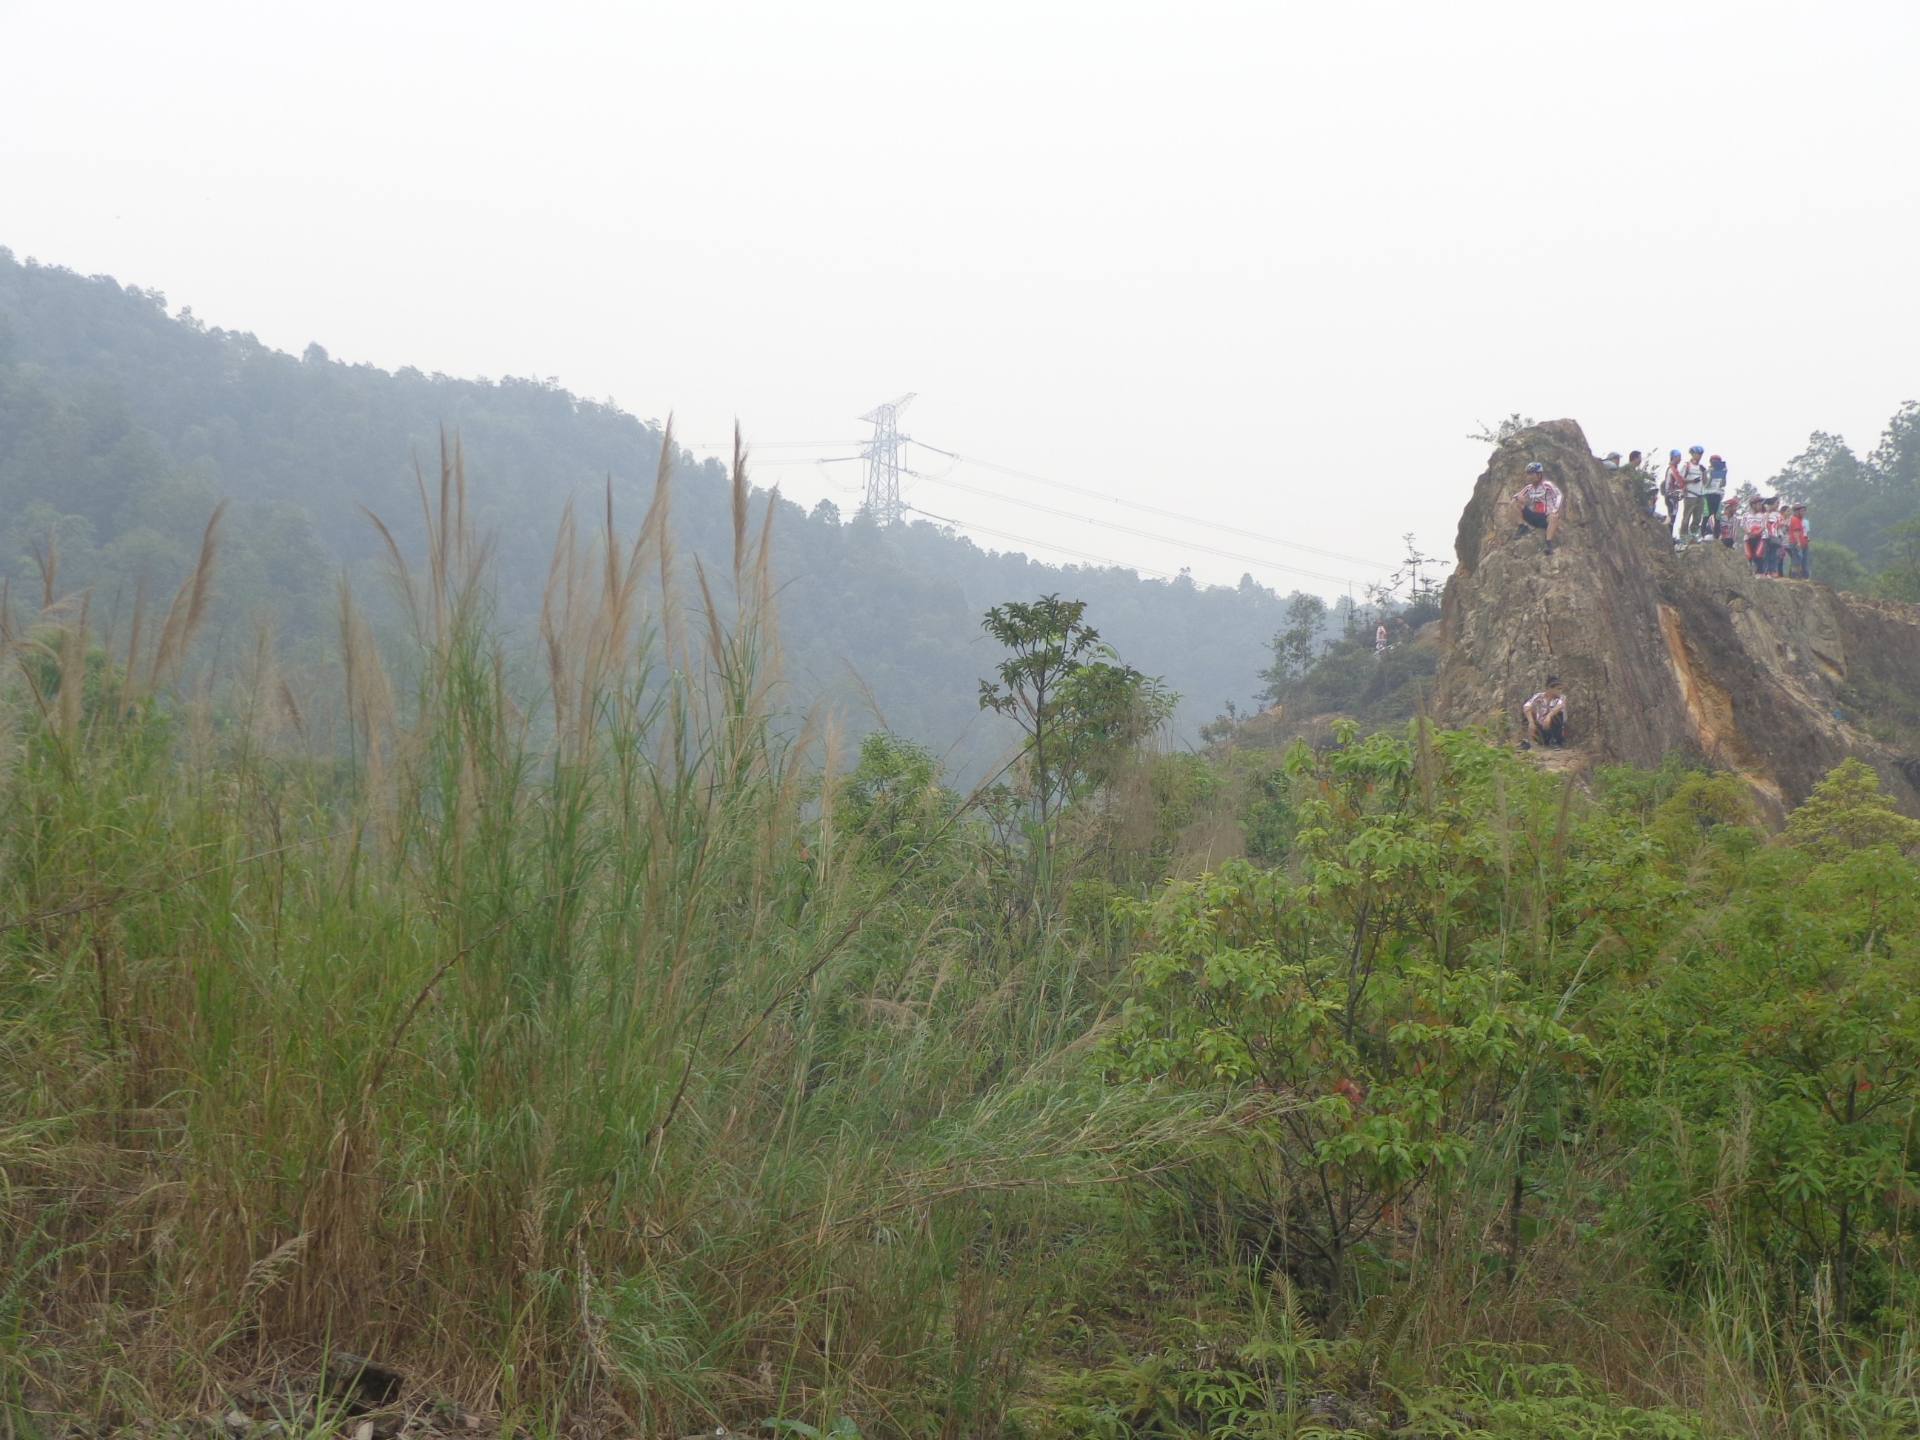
(1541, 495)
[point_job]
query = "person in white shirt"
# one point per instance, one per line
(1694, 475)
(1673, 488)
(1546, 716)
(1380, 640)
(1540, 504)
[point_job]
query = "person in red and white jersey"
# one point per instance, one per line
(1540, 504)
(1546, 716)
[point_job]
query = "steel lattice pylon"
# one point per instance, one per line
(882, 454)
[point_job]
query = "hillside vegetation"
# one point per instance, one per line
(121, 426)
(550, 1025)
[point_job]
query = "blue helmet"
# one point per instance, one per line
(1536, 468)
(1696, 450)
(1673, 454)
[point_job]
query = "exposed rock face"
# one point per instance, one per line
(1660, 652)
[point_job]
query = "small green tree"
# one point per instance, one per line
(1899, 577)
(1362, 992)
(1502, 432)
(1846, 812)
(1293, 647)
(1078, 707)
(1838, 566)
(894, 799)
(1773, 1071)
(1417, 580)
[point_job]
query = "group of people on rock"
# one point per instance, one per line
(1699, 510)
(1779, 544)
(1695, 490)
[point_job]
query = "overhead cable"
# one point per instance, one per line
(1135, 530)
(1107, 560)
(1159, 510)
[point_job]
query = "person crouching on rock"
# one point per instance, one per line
(1540, 503)
(1546, 716)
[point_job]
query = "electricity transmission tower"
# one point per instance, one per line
(882, 454)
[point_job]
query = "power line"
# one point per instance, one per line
(758, 464)
(881, 454)
(1133, 530)
(784, 445)
(1043, 544)
(1159, 510)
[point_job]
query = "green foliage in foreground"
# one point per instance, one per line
(593, 1057)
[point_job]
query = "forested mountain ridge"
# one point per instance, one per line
(122, 426)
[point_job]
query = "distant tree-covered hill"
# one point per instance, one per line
(122, 425)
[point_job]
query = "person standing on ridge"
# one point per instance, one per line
(1773, 540)
(1673, 489)
(1693, 477)
(1540, 503)
(1716, 495)
(1546, 716)
(1757, 534)
(1800, 544)
(1731, 522)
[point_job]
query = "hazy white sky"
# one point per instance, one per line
(1265, 263)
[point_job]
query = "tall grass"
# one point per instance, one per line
(535, 1041)
(536, 1024)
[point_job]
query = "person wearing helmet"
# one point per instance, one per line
(1716, 496)
(1540, 504)
(1673, 489)
(1693, 477)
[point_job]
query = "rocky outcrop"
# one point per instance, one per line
(1776, 680)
